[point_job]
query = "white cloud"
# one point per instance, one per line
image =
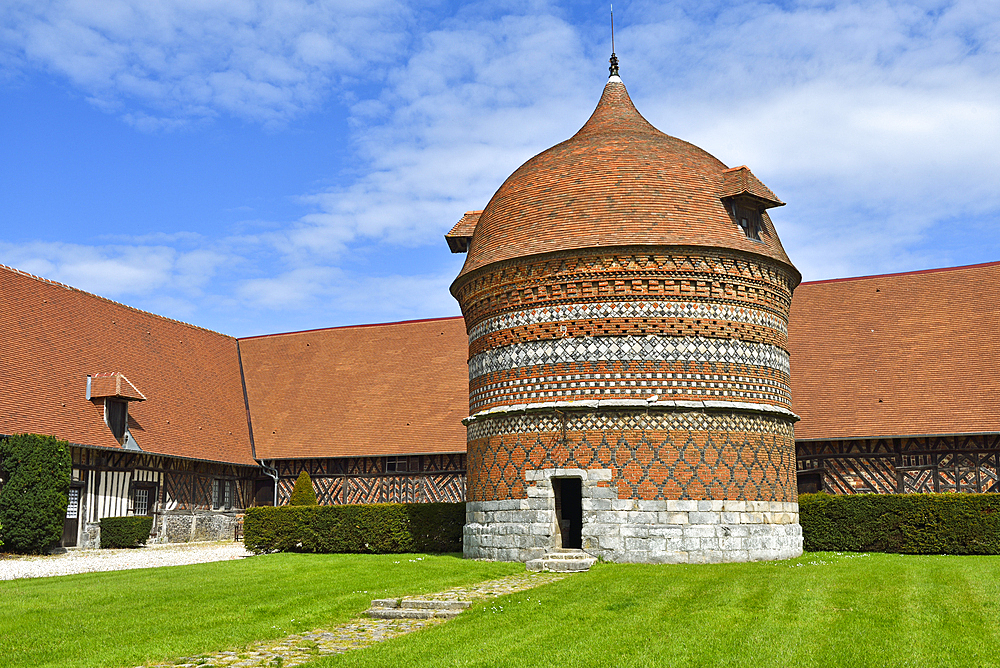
(116, 271)
(355, 298)
(468, 107)
(185, 59)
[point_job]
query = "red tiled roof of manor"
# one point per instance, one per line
(398, 388)
(53, 336)
(902, 354)
(618, 181)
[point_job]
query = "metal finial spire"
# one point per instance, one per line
(614, 58)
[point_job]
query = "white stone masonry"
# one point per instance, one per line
(632, 530)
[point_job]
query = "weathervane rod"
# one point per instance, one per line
(614, 59)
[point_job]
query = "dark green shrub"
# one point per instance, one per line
(121, 532)
(903, 523)
(379, 528)
(36, 471)
(303, 493)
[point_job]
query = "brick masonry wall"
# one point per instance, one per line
(651, 454)
(692, 343)
(689, 324)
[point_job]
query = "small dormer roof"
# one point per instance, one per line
(740, 182)
(114, 385)
(460, 236)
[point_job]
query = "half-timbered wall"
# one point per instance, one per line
(178, 484)
(403, 479)
(956, 463)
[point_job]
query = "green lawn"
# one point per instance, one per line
(879, 610)
(821, 610)
(127, 618)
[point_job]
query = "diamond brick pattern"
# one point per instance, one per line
(626, 274)
(558, 313)
(628, 348)
(583, 380)
(631, 421)
(672, 456)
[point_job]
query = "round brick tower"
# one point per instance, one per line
(626, 298)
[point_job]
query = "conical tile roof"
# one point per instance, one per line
(618, 182)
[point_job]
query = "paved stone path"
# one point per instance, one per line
(299, 648)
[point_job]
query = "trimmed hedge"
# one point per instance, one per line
(303, 493)
(379, 528)
(36, 472)
(901, 523)
(120, 532)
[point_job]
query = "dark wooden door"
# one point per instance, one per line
(71, 526)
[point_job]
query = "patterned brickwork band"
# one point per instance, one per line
(607, 380)
(650, 348)
(625, 275)
(566, 313)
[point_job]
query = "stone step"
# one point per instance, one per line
(386, 603)
(568, 557)
(434, 605)
(562, 561)
(414, 608)
(411, 613)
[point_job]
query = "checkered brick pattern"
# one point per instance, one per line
(707, 276)
(616, 380)
(635, 313)
(651, 348)
(684, 455)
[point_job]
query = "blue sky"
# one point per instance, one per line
(257, 167)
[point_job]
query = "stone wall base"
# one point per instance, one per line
(178, 526)
(191, 526)
(631, 530)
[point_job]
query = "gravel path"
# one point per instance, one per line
(13, 567)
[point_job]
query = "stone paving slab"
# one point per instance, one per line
(299, 648)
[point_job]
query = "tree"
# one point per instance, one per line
(36, 471)
(303, 493)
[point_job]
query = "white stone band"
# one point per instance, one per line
(642, 404)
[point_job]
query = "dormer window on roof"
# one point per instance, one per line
(116, 390)
(747, 216)
(461, 235)
(116, 417)
(746, 199)
(114, 384)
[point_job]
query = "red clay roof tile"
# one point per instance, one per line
(54, 335)
(740, 180)
(397, 388)
(901, 354)
(618, 181)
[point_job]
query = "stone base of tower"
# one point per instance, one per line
(631, 530)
